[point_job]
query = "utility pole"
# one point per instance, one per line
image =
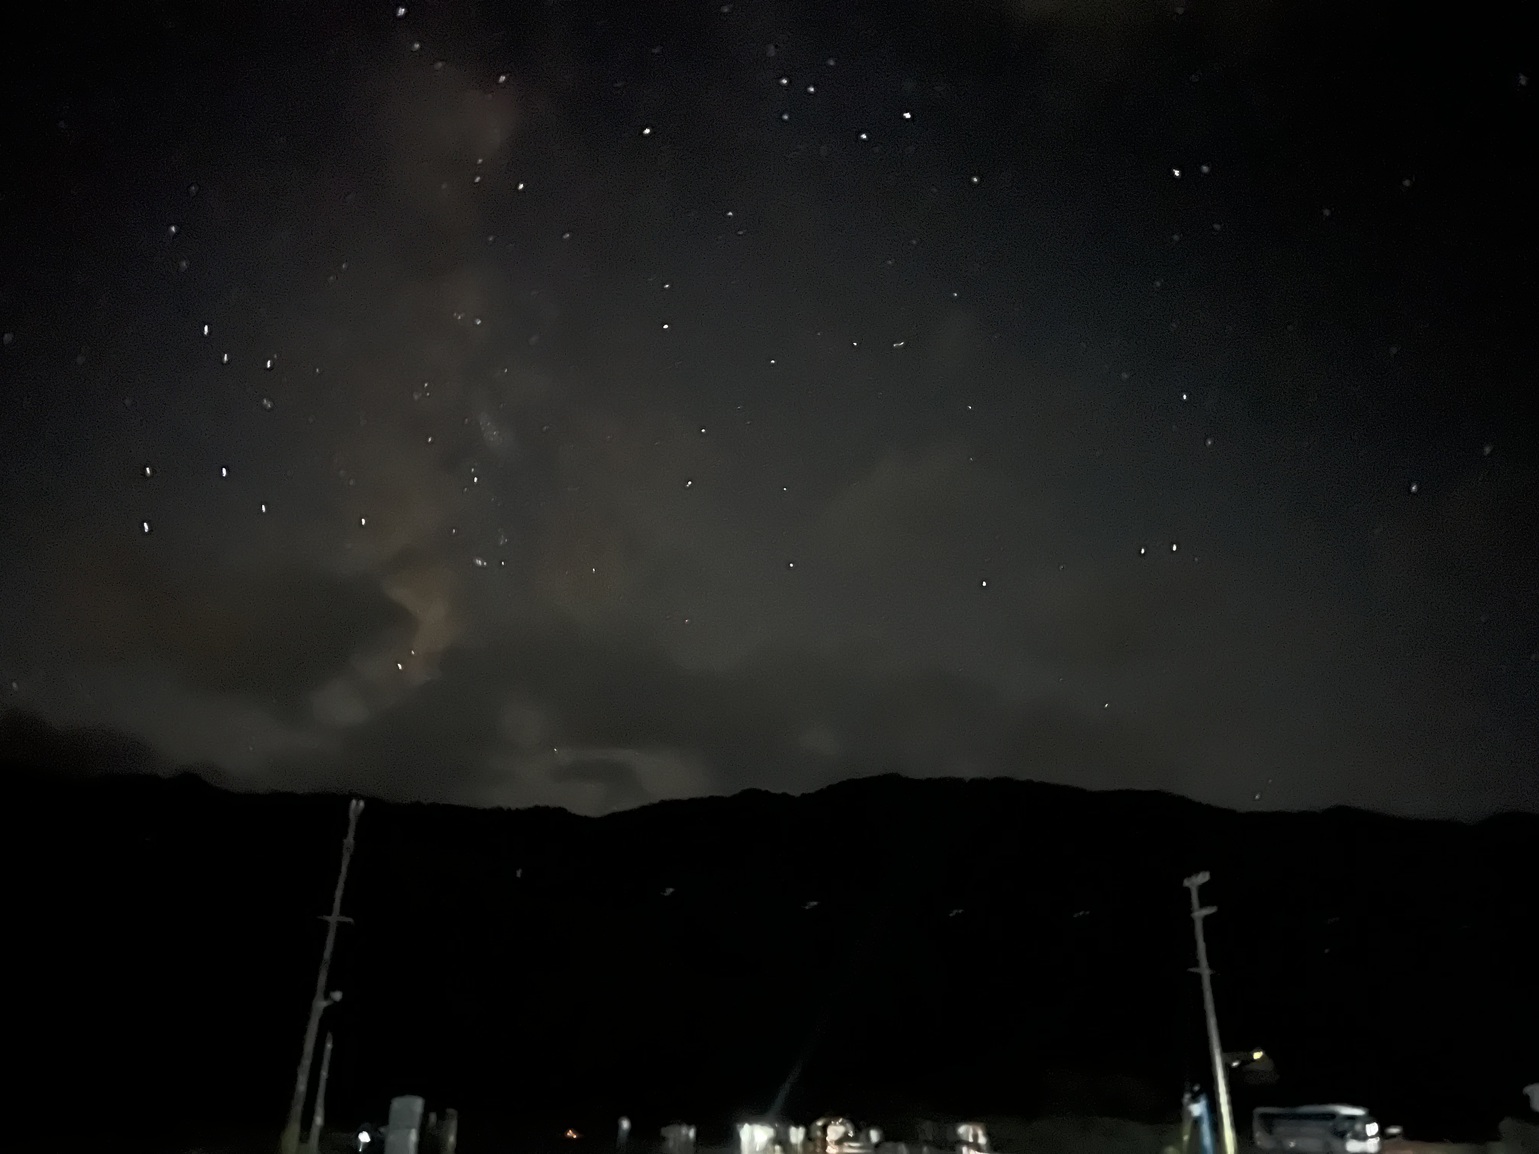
(318, 1111)
(289, 1142)
(1220, 1080)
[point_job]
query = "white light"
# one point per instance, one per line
(755, 1137)
(364, 1138)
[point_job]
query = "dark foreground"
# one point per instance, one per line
(888, 948)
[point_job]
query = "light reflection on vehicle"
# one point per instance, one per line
(1316, 1130)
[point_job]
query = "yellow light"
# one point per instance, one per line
(1256, 1055)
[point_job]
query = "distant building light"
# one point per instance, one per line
(755, 1138)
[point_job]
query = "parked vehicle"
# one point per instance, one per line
(1316, 1130)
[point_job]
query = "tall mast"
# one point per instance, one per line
(289, 1142)
(1220, 1079)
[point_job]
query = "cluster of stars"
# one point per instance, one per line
(677, 321)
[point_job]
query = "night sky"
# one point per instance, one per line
(584, 404)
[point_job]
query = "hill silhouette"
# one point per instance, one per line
(887, 947)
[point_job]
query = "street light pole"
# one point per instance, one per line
(289, 1142)
(318, 1110)
(1220, 1079)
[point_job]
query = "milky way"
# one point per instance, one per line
(583, 408)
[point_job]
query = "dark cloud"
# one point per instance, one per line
(594, 723)
(274, 638)
(591, 434)
(29, 743)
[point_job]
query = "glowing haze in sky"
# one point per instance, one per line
(563, 405)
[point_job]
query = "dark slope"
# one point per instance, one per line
(975, 947)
